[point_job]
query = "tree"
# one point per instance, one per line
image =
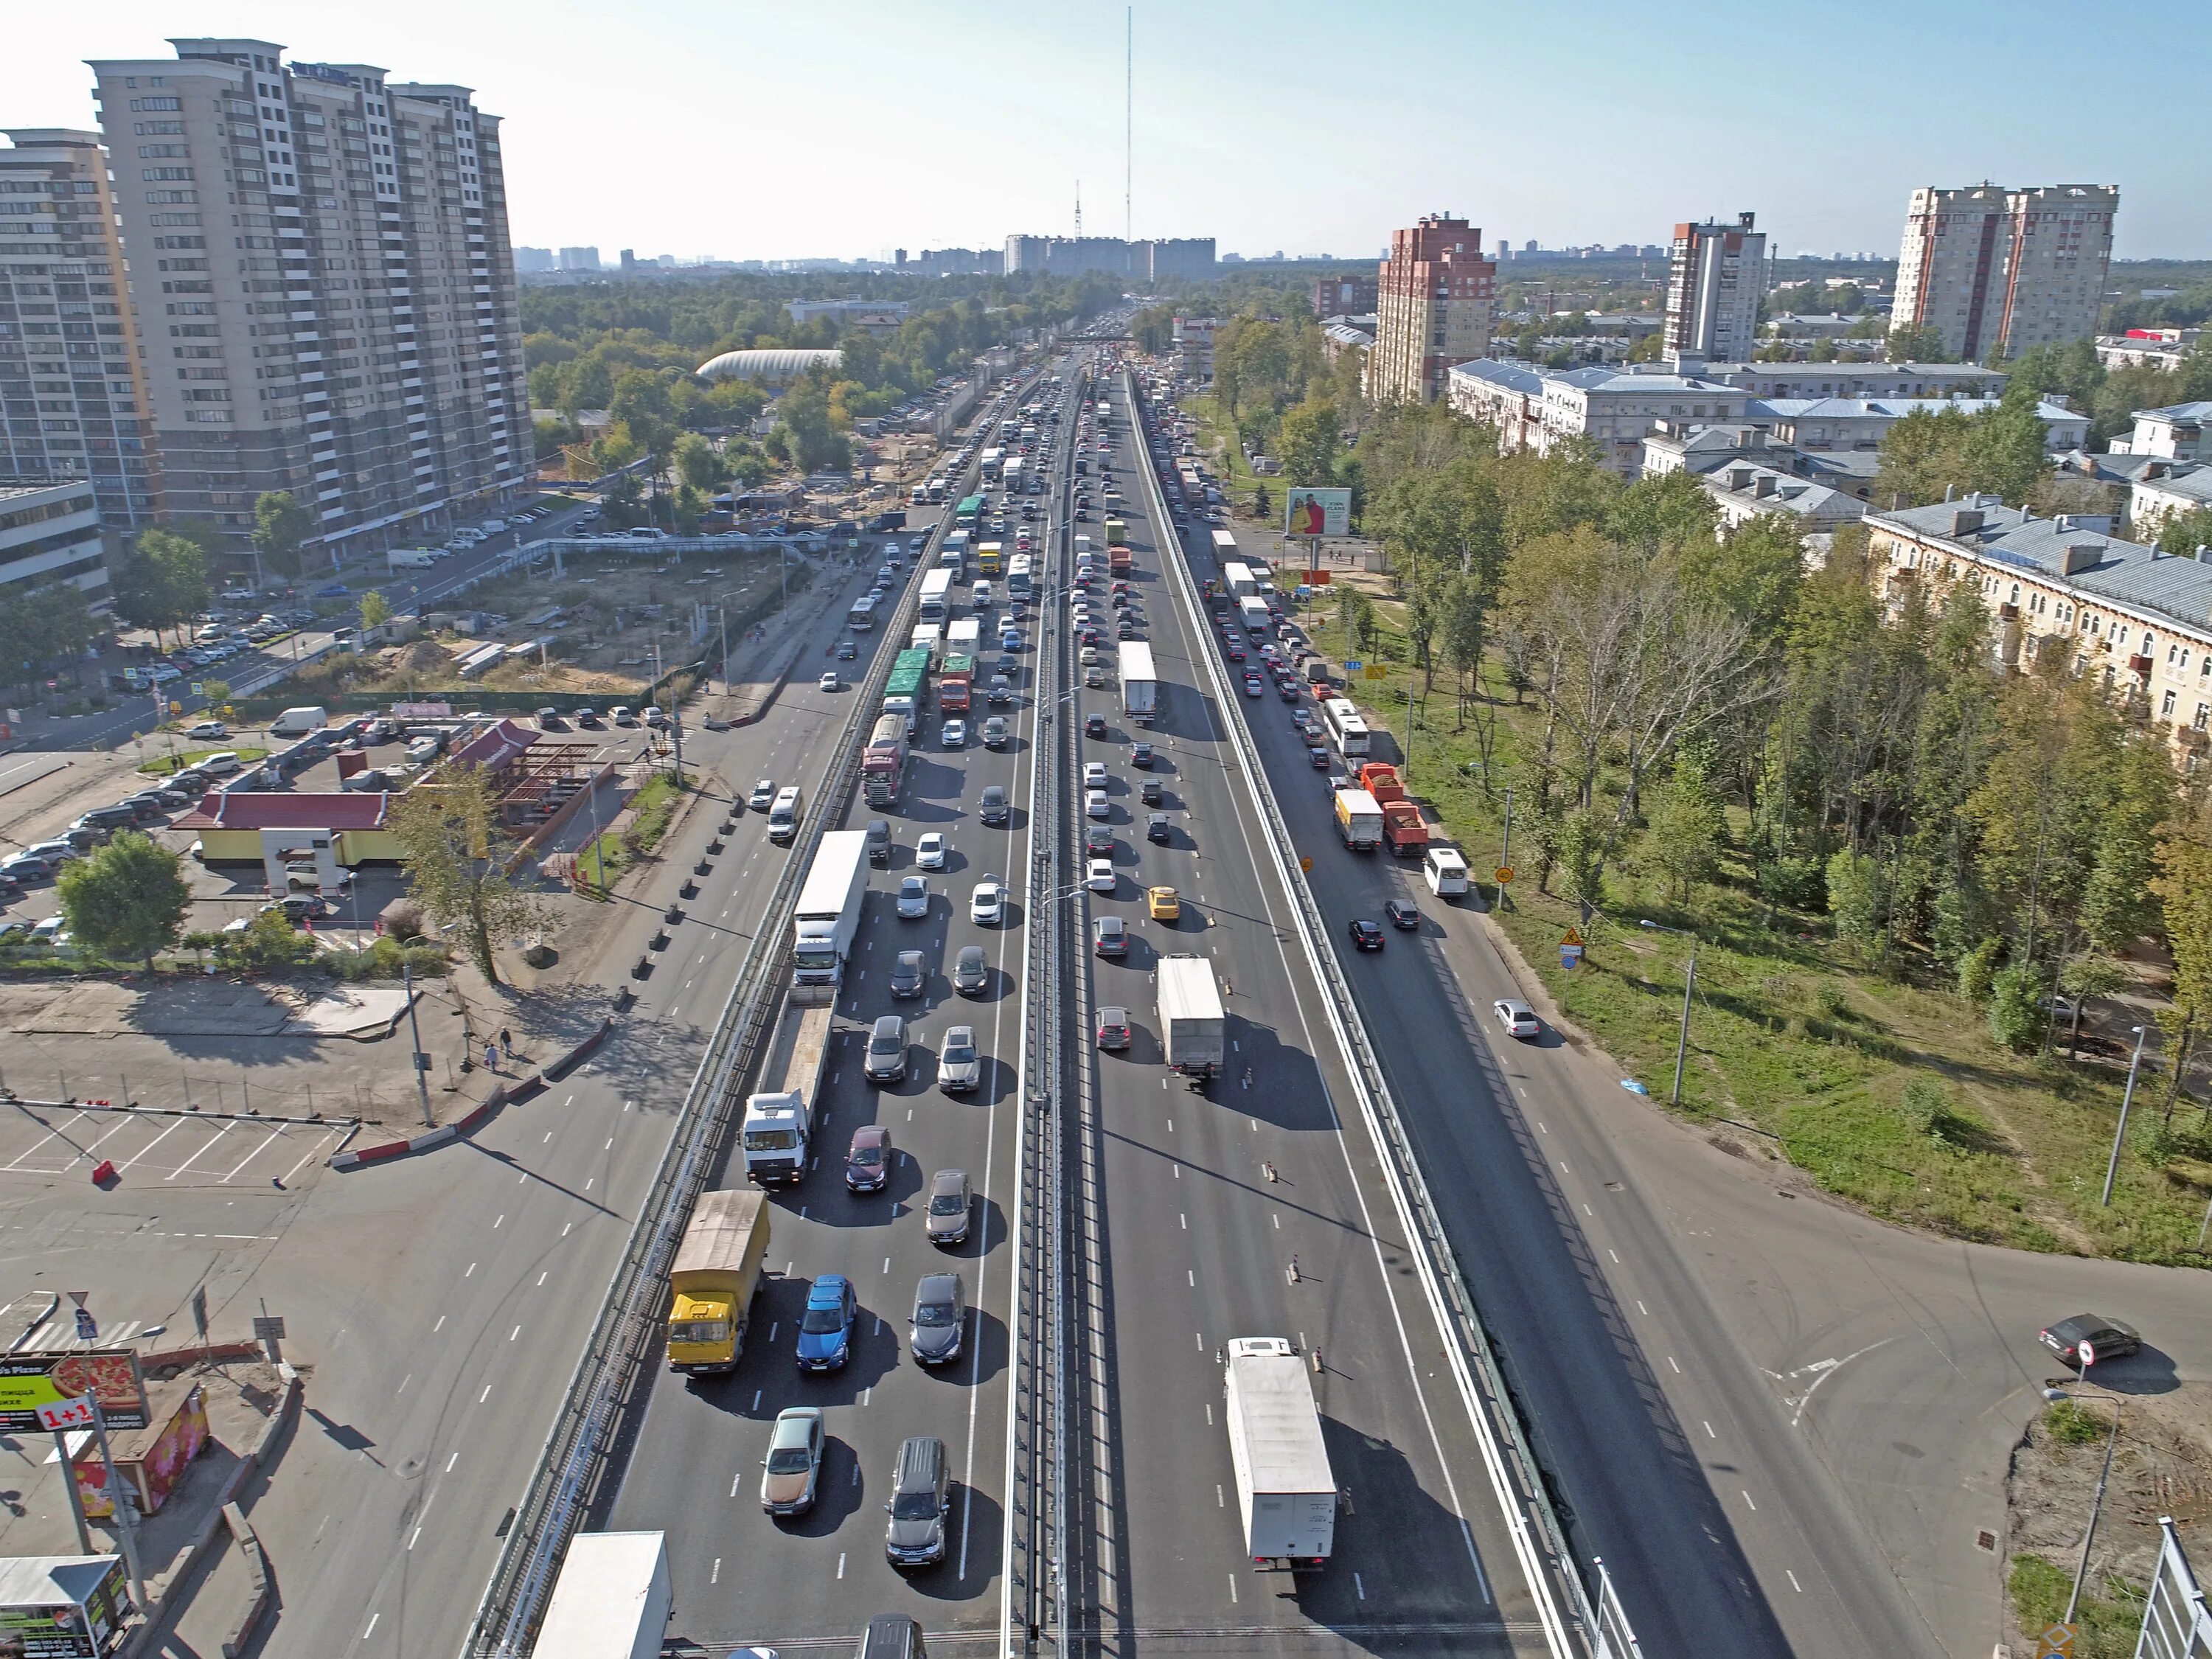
(1917, 345)
(163, 581)
(1648, 349)
(128, 900)
(1686, 828)
(457, 863)
(1858, 900)
(1310, 440)
(698, 465)
(375, 610)
(279, 527)
(2183, 533)
(2084, 977)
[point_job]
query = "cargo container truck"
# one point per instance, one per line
(717, 1269)
(936, 603)
(779, 1121)
(1193, 1029)
(1253, 614)
(883, 763)
(1285, 1491)
(829, 913)
(1236, 577)
(612, 1600)
(1140, 683)
(1359, 820)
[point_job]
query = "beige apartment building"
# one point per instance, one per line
(1994, 270)
(2136, 622)
(72, 403)
(1436, 299)
(320, 261)
(1715, 275)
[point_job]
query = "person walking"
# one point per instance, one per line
(506, 1043)
(491, 1055)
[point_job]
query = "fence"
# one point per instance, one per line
(2176, 1622)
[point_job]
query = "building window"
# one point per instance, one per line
(2166, 706)
(2204, 717)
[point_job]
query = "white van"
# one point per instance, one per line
(298, 722)
(979, 595)
(1445, 871)
(783, 815)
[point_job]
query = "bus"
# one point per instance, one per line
(862, 616)
(1020, 578)
(1345, 729)
(988, 558)
(936, 598)
(969, 510)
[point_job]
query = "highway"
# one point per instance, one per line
(1640, 1403)
(694, 1460)
(1257, 1209)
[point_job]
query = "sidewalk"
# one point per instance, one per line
(764, 665)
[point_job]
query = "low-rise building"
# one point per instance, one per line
(1744, 490)
(1342, 336)
(50, 533)
(1536, 409)
(1861, 423)
(2162, 489)
(229, 824)
(877, 316)
(2138, 621)
(2147, 347)
(2175, 432)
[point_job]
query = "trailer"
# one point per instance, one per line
(1286, 1491)
(1140, 685)
(612, 1600)
(779, 1121)
(1193, 1028)
(829, 913)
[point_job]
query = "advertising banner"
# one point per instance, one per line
(1316, 512)
(28, 1380)
(52, 1628)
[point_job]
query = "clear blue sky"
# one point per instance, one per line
(752, 130)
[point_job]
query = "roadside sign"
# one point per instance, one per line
(1570, 955)
(2087, 1352)
(268, 1327)
(1572, 936)
(1504, 874)
(79, 1297)
(67, 1413)
(88, 1327)
(1353, 665)
(1375, 671)
(2057, 1643)
(1306, 863)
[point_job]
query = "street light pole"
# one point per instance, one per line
(1689, 992)
(414, 1036)
(2127, 1098)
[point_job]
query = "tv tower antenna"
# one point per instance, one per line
(1079, 210)
(1129, 118)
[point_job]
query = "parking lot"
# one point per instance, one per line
(41, 1145)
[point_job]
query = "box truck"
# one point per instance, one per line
(1140, 685)
(612, 1600)
(1194, 1030)
(1286, 1494)
(829, 913)
(1359, 820)
(717, 1269)
(779, 1122)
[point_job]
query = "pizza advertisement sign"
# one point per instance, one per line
(111, 1376)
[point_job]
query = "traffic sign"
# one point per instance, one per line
(268, 1327)
(1570, 955)
(2087, 1352)
(1353, 665)
(1375, 671)
(88, 1327)
(79, 1297)
(1572, 936)
(67, 1413)
(2057, 1643)
(1306, 863)
(1504, 874)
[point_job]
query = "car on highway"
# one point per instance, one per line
(793, 1467)
(829, 682)
(825, 1329)
(946, 1221)
(886, 1057)
(994, 731)
(1095, 804)
(1098, 875)
(1156, 828)
(1112, 1030)
(2108, 1339)
(912, 898)
(868, 1159)
(992, 808)
(1366, 933)
(1252, 687)
(1162, 903)
(940, 1317)
(1109, 936)
(909, 972)
(959, 1066)
(1094, 774)
(1151, 791)
(1094, 726)
(846, 650)
(1234, 651)
(921, 1497)
(971, 972)
(1001, 691)
(929, 852)
(1140, 756)
(1097, 838)
(986, 904)
(763, 795)
(1518, 1018)
(954, 735)
(1407, 918)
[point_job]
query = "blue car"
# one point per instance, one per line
(330, 591)
(1010, 640)
(825, 1331)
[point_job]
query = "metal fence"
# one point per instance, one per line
(1538, 1540)
(2177, 1624)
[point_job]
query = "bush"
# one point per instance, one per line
(2016, 1019)
(385, 959)
(1831, 997)
(1794, 884)
(1977, 971)
(2070, 1423)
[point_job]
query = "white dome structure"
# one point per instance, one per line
(774, 367)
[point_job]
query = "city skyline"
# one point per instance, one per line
(1219, 149)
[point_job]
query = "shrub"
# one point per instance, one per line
(1977, 971)
(2070, 1423)
(2016, 1019)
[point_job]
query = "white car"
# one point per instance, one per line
(830, 682)
(1518, 1018)
(1099, 876)
(955, 735)
(914, 898)
(986, 905)
(207, 729)
(1094, 774)
(763, 795)
(1094, 804)
(929, 852)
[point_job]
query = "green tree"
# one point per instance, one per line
(456, 856)
(1687, 829)
(590, 384)
(128, 901)
(2082, 978)
(163, 581)
(2016, 1008)
(2183, 533)
(1917, 345)
(698, 465)
(1858, 900)
(280, 530)
(1309, 441)
(375, 610)
(1649, 348)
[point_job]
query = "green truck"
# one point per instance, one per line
(907, 692)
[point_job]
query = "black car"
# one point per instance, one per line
(1141, 755)
(1366, 933)
(1094, 726)
(994, 809)
(846, 651)
(1097, 841)
(971, 973)
(1151, 791)
(908, 975)
(1402, 916)
(589, 719)
(1156, 827)
(2108, 1337)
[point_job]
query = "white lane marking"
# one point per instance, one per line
(715, 1578)
(450, 1461)
(373, 1618)
(439, 1325)
(1792, 1578)
(485, 1396)
(149, 1147)
(1746, 1498)
(1670, 1360)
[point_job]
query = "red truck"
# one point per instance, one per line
(955, 686)
(1380, 779)
(1404, 831)
(1118, 559)
(883, 763)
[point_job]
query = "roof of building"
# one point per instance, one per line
(1785, 493)
(1514, 376)
(496, 746)
(2126, 573)
(1344, 335)
(254, 809)
(769, 363)
(2191, 484)
(1600, 378)
(2195, 412)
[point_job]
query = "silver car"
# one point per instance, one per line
(959, 1066)
(914, 898)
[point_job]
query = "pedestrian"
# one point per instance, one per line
(492, 1056)
(506, 1043)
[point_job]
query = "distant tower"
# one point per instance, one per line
(1129, 119)
(1079, 210)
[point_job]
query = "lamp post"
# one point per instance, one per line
(1689, 989)
(2119, 1133)
(415, 1030)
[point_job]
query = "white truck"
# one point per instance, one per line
(936, 601)
(778, 1124)
(1193, 1029)
(1140, 683)
(410, 558)
(1236, 577)
(829, 913)
(612, 1600)
(1253, 613)
(965, 638)
(1286, 1494)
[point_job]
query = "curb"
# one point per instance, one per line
(147, 1637)
(478, 1115)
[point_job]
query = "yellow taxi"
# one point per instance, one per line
(1162, 903)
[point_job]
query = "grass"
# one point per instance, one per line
(167, 764)
(2107, 1624)
(1887, 1090)
(610, 855)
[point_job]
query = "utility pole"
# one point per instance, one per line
(415, 1035)
(126, 1507)
(1682, 1042)
(2096, 1508)
(2119, 1133)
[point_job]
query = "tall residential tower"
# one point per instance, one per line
(320, 264)
(1435, 298)
(1993, 270)
(1713, 284)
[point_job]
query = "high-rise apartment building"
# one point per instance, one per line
(579, 258)
(1435, 298)
(72, 403)
(1994, 270)
(320, 265)
(1190, 257)
(1713, 284)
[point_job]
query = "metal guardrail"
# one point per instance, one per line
(1538, 1540)
(626, 1333)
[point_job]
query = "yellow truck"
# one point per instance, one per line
(718, 1267)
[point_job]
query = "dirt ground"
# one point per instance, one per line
(2161, 1466)
(600, 619)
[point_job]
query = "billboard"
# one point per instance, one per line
(1316, 512)
(28, 1380)
(75, 1613)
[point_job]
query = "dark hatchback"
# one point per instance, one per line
(1367, 934)
(2108, 1337)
